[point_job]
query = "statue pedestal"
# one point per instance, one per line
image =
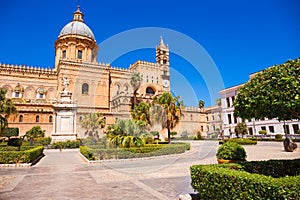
(65, 119)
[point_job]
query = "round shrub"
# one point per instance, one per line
(278, 136)
(262, 132)
(231, 151)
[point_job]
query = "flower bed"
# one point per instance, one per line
(275, 179)
(26, 155)
(124, 153)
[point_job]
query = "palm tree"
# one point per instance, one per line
(241, 128)
(172, 107)
(135, 83)
(91, 122)
(140, 114)
(6, 109)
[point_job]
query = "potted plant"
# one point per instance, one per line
(231, 152)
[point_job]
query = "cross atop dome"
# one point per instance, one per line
(78, 15)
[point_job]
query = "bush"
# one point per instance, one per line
(278, 136)
(10, 132)
(262, 132)
(241, 141)
(231, 151)
(233, 181)
(15, 142)
(26, 156)
(123, 153)
(66, 145)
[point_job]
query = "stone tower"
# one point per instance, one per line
(162, 59)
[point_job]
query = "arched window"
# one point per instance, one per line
(37, 118)
(50, 119)
(21, 118)
(85, 88)
(150, 91)
(80, 118)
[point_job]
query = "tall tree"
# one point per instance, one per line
(92, 122)
(172, 107)
(6, 109)
(135, 82)
(272, 93)
(140, 114)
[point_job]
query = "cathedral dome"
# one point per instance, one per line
(77, 26)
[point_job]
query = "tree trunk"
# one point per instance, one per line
(169, 135)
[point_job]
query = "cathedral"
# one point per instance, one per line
(57, 99)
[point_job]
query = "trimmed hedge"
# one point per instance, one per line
(125, 153)
(26, 156)
(66, 145)
(233, 181)
(273, 139)
(241, 141)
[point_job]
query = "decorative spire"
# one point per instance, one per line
(161, 43)
(78, 15)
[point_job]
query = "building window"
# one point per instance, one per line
(149, 91)
(295, 128)
(263, 128)
(202, 128)
(286, 129)
(228, 102)
(250, 131)
(80, 118)
(235, 119)
(17, 94)
(64, 54)
(79, 54)
(191, 117)
(271, 129)
(21, 118)
(207, 118)
(232, 98)
(85, 88)
(37, 118)
(147, 79)
(50, 119)
(156, 79)
(229, 118)
(212, 117)
(41, 96)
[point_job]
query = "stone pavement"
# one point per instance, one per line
(65, 175)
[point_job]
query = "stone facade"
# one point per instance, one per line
(272, 126)
(95, 87)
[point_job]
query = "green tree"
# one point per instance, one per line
(172, 107)
(92, 122)
(125, 133)
(272, 93)
(135, 82)
(140, 114)
(241, 128)
(6, 109)
(33, 133)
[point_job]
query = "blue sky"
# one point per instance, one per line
(241, 37)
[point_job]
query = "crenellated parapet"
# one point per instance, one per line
(142, 63)
(27, 70)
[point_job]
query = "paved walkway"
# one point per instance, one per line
(65, 175)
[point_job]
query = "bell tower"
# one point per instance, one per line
(162, 59)
(162, 53)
